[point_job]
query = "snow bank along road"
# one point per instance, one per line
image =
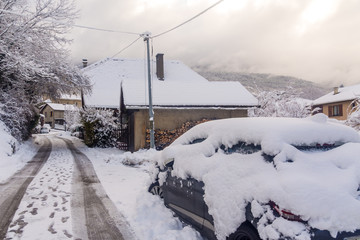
(58, 196)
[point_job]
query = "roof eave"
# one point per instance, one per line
(219, 107)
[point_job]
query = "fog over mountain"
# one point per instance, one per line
(257, 82)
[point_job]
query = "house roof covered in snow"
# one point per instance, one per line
(345, 94)
(181, 88)
(60, 107)
(70, 97)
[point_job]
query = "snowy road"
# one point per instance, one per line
(64, 200)
(68, 197)
(13, 190)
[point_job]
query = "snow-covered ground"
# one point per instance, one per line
(46, 203)
(124, 176)
(10, 162)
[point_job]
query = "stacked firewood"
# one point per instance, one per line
(164, 138)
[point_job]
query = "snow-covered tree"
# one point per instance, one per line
(72, 116)
(354, 118)
(100, 127)
(281, 104)
(33, 56)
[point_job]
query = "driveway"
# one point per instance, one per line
(58, 195)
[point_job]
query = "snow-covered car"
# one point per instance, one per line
(264, 178)
(77, 131)
(45, 128)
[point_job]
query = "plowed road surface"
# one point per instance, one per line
(58, 195)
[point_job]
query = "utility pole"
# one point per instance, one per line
(146, 36)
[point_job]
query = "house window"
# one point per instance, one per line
(51, 114)
(335, 110)
(45, 114)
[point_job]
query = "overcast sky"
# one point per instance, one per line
(317, 40)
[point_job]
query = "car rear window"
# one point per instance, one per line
(242, 148)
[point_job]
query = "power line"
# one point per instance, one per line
(104, 30)
(199, 14)
(73, 25)
(126, 47)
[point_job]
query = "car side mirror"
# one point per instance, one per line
(169, 163)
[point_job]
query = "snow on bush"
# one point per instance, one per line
(100, 127)
(19, 116)
(72, 117)
(8, 144)
(354, 118)
(132, 159)
(281, 104)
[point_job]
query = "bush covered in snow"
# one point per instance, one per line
(354, 118)
(8, 143)
(100, 127)
(19, 116)
(72, 117)
(281, 104)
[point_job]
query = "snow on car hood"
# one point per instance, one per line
(321, 187)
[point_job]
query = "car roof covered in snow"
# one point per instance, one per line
(270, 133)
(182, 87)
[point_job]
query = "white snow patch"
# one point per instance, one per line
(13, 155)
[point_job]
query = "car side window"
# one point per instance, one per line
(242, 148)
(317, 147)
(197, 140)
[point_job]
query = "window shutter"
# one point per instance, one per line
(340, 110)
(330, 111)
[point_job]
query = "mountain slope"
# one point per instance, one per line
(257, 82)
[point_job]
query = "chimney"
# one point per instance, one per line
(160, 66)
(85, 62)
(336, 90)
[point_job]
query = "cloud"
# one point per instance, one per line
(312, 39)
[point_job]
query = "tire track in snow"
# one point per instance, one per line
(103, 220)
(14, 189)
(45, 211)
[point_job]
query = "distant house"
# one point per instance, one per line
(338, 103)
(70, 99)
(180, 95)
(54, 114)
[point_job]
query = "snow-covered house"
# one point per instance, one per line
(338, 103)
(71, 99)
(54, 113)
(179, 95)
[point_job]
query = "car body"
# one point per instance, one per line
(77, 131)
(45, 128)
(265, 178)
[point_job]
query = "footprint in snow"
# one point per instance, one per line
(34, 211)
